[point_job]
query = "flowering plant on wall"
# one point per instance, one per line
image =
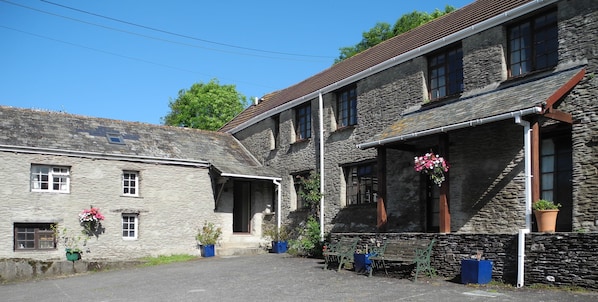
(433, 165)
(90, 219)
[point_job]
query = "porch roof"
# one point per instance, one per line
(499, 102)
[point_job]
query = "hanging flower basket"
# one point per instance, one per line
(90, 219)
(433, 165)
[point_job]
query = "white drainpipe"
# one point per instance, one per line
(528, 200)
(278, 203)
(321, 117)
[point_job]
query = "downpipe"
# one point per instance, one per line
(528, 202)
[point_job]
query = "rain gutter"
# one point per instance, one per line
(470, 123)
(417, 52)
(105, 156)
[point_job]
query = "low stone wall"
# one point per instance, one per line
(560, 259)
(27, 269)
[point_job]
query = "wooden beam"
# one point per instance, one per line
(445, 213)
(560, 93)
(558, 115)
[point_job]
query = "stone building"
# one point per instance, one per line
(504, 91)
(155, 185)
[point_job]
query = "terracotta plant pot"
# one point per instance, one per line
(546, 220)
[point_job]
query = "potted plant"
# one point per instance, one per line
(72, 243)
(279, 237)
(546, 212)
(208, 236)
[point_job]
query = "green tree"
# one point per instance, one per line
(382, 31)
(205, 106)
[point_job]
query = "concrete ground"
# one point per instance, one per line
(270, 277)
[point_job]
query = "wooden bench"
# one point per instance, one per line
(411, 251)
(340, 252)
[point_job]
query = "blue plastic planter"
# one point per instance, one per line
(476, 271)
(207, 250)
(279, 247)
(362, 263)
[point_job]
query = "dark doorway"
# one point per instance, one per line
(556, 169)
(432, 206)
(242, 207)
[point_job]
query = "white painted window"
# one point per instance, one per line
(130, 226)
(50, 179)
(130, 183)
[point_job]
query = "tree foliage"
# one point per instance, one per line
(382, 31)
(205, 106)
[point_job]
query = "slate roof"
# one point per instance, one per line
(68, 132)
(458, 20)
(481, 104)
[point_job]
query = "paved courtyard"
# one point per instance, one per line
(270, 277)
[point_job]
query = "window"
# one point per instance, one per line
(130, 226)
(52, 179)
(347, 107)
(115, 138)
(362, 183)
(300, 187)
(446, 73)
(303, 121)
(34, 236)
(130, 183)
(275, 132)
(533, 44)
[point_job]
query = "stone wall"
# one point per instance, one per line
(26, 269)
(560, 259)
(161, 213)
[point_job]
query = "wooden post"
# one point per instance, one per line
(535, 158)
(382, 181)
(445, 213)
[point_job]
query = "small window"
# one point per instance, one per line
(362, 183)
(115, 138)
(34, 236)
(303, 121)
(50, 179)
(446, 73)
(130, 183)
(533, 44)
(130, 226)
(347, 107)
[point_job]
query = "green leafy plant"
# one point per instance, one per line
(71, 241)
(310, 190)
(543, 204)
(273, 233)
(208, 234)
(308, 239)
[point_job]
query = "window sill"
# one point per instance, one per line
(301, 141)
(345, 128)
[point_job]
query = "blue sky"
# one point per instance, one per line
(124, 59)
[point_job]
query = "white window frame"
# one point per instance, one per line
(126, 229)
(45, 178)
(126, 183)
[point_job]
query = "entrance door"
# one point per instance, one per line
(432, 206)
(557, 175)
(242, 207)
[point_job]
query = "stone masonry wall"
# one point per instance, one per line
(560, 259)
(487, 174)
(161, 213)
